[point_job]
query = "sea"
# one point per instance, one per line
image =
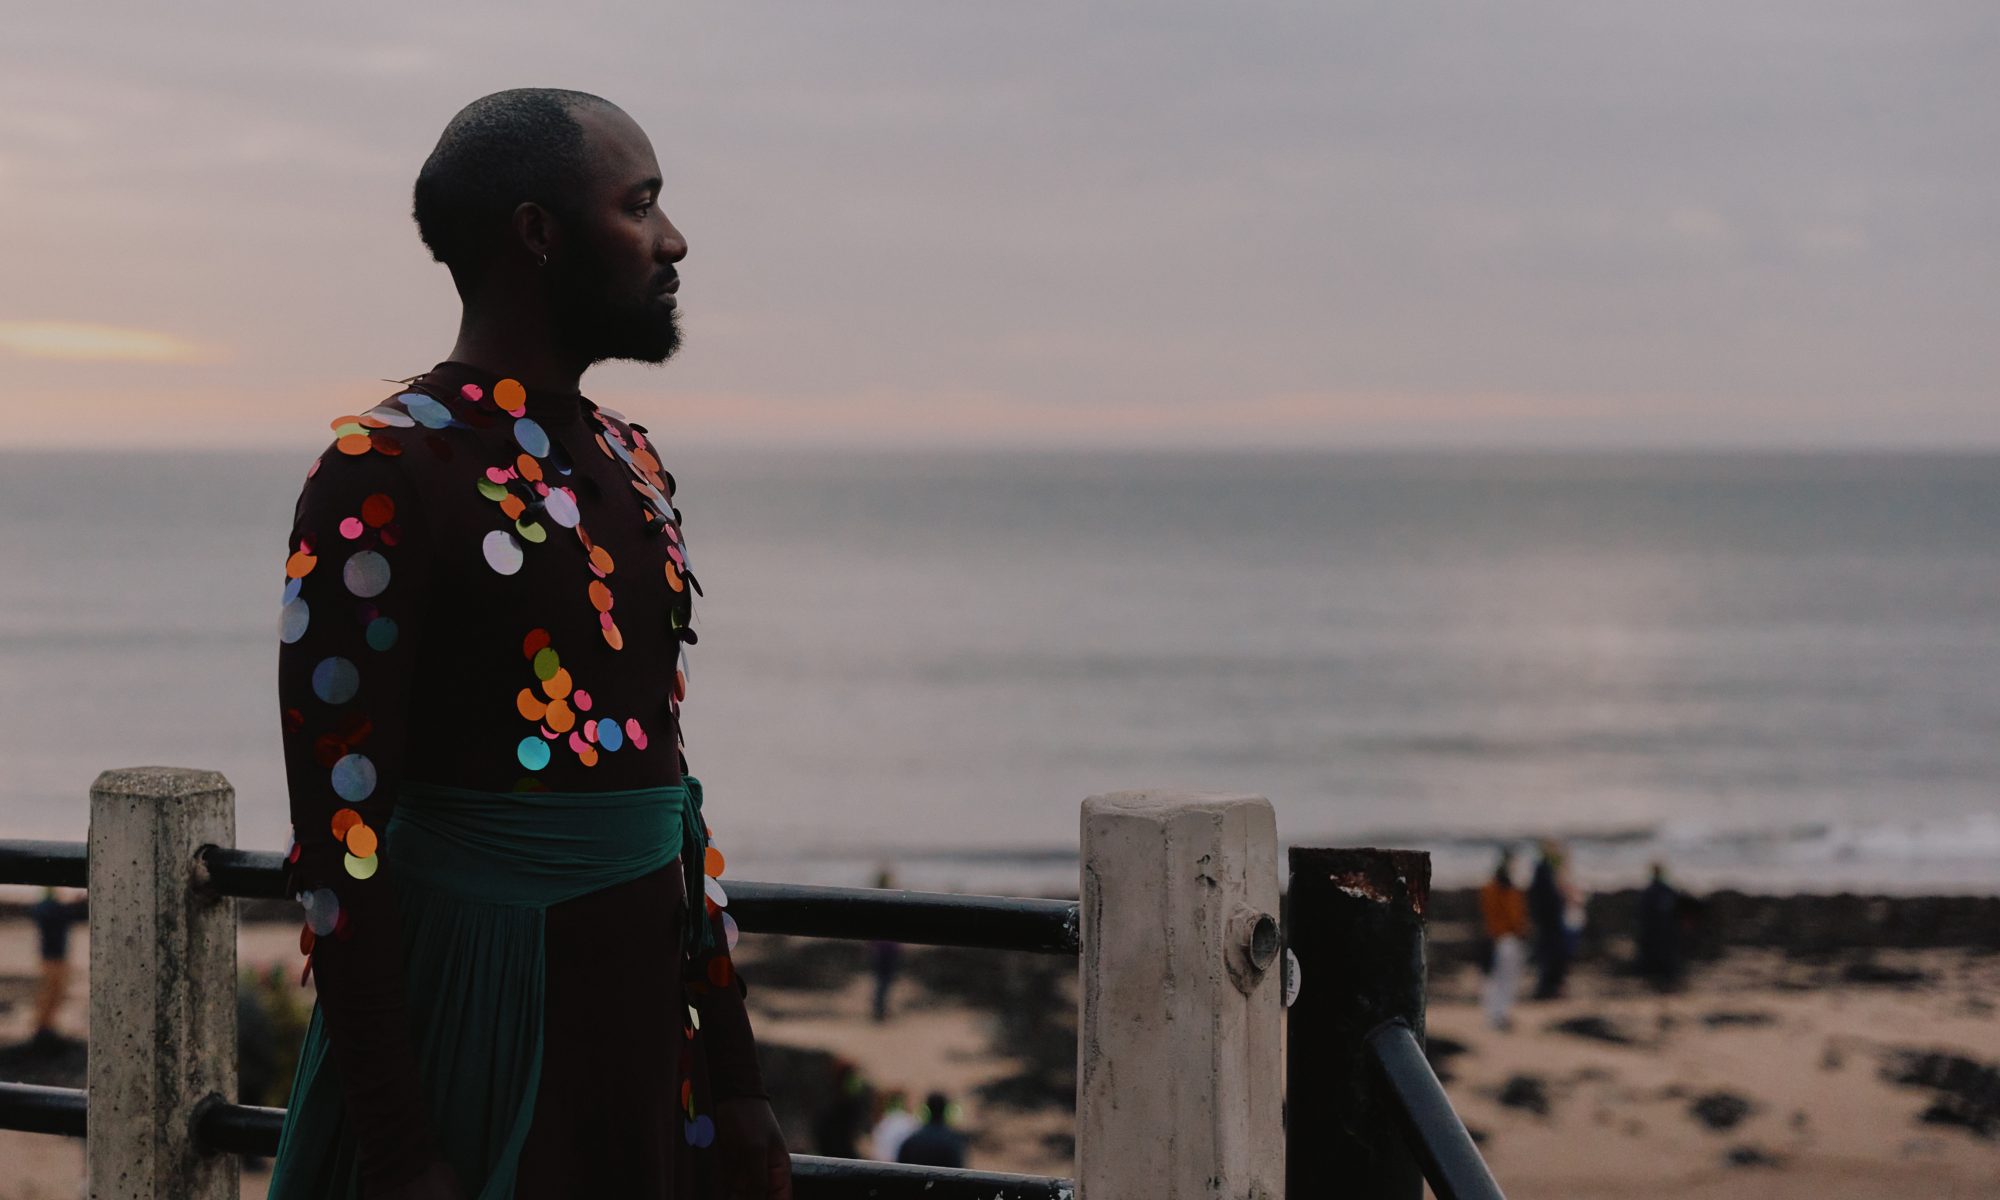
(1776, 672)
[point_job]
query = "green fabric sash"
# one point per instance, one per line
(474, 872)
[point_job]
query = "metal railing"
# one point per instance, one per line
(1380, 1121)
(918, 918)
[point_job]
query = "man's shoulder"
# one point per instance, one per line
(632, 443)
(415, 428)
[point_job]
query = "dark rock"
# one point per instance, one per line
(1720, 1110)
(1869, 971)
(1596, 1028)
(1751, 1156)
(802, 1082)
(1968, 1091)
(1529, 1092)
(804, 964)
(1805, 925)
(1746, 1020)
(1440, 1050)
(50, 1060)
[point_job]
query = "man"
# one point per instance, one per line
(1503, 908)
(1659, 935)
(937, 1144)
(520, 949)
(1548, 908)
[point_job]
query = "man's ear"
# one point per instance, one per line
(536, 230)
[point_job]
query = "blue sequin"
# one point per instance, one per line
(335, 680)
(426, 409)
(531, 437)
(381, 633)
(292, 621)
(354, 778)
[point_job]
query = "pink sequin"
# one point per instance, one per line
(351, 528)
(471, 391)
(634, 734)
(498, 474)
(580, 700)
(577, 743)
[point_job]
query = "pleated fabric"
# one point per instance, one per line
(475, 874)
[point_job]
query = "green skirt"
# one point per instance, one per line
(474, 873)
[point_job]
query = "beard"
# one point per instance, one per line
(596, 324)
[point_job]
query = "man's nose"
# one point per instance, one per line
(673, 247)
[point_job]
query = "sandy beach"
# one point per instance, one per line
(1862, 1073)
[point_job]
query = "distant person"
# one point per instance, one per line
(1661, 910)
(896, 1123)
(53, 917)
(1503, 908)
(936, 1144)
(1548, 905)
(885, 959)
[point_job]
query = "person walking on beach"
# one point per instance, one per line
(885, 958)
(1548, 909)
(1503, 909)
(511, 904)
(53, 915)
(936, 1144)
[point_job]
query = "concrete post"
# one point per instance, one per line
(162, 984)
(1179, 1093)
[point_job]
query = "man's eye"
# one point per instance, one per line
(643, 209)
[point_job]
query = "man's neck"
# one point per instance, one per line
(518, 349)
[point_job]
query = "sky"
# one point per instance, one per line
(1327, 224)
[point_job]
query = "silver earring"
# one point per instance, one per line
(545, 260)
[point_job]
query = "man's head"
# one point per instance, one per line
(937, 1108)
(547, 201)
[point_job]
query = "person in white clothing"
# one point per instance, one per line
(1504, 910)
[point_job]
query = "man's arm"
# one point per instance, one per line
(357, 578)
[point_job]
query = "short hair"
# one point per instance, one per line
(523, 144)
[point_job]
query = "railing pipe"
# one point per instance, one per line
(920, 918)
(44, 864)
(1450, 1160)
(32, 1108)
(225, 1128)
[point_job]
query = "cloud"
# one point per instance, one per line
(77, 341)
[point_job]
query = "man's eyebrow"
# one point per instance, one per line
(649, 184)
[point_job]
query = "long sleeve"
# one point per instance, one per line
(356, 591)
